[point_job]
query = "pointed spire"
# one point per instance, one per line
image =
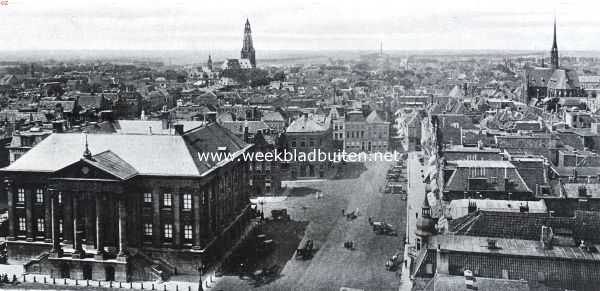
(554, 51)
(87, 153)
(554, 45)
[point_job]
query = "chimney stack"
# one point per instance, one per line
(470, 280)
(165, 118)
(58, 126)
(492, 244)
(472, 206)
(179, 129)
(546, 237)
(246, 133)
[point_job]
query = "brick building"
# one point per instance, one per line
(126, 206)
(304, 135)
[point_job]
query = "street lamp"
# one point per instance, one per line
(262, 209)
(200, 268)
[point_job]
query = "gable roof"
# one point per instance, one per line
(375, 117)
(564, 79)
(305, 124)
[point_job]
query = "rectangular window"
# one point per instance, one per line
(39, 195)
(148, 229)
(294, 144)
(187, 231)
(21, 195)
(168, 231)
(167, 200)
(22, 224)
(40, 224)
(147, 197)
(187, 201)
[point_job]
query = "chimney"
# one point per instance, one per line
(470, 280)
(492, 245)
(546, 237)
(472, 206)
(179, 129)
(164, 117)
(107, 115)
(58, 126)
(524, 208)
(246, 133)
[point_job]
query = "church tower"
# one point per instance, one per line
(248, 47)
(209, 64)
(554, 51)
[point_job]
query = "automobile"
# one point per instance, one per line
(394, 261)
(306, 251)
(384, 228)
(397, 189)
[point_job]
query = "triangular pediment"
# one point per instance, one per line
(104, 166)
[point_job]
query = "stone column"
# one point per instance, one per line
(29, 214)
(196, 207)
(100, 225)
(48, 216)
(11, 210)
(122, 229)
(90, 220)
(56, 249)
(77, 233)
(177, 220)
(156, 229)
(67, 200)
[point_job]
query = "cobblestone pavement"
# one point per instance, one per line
(333, 266)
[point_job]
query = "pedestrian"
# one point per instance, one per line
(343, 212)
(357, 212)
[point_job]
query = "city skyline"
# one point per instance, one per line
(326, 25)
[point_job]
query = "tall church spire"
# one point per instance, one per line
(248, 47)
(554, 51)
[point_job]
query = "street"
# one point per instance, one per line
(334, 266)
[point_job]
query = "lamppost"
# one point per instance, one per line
(262, 209)
(200, 268)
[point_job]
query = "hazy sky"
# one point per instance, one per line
(298, 24)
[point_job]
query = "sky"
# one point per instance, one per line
(298, 24)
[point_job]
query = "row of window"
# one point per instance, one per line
(22, 224)
(167, 228)
(39, 195)
(168, 231)
(167, 200)
(311, 143)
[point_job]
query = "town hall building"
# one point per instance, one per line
(126, 207)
